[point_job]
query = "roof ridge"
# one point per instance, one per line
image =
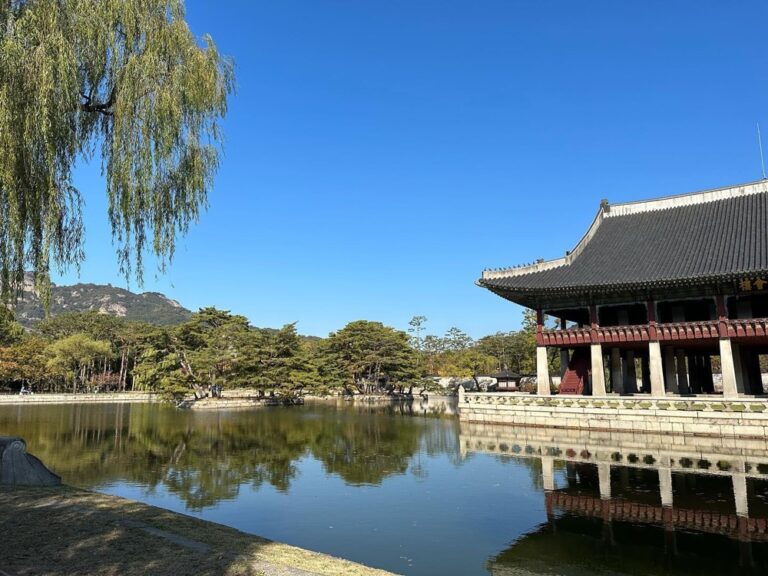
(687, 199)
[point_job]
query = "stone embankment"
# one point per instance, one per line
(104, 398)
(701, 415)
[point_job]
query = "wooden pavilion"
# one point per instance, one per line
(653, 295)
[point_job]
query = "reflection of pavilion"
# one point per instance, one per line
(618, 519)
(615, 496)
(616, 504)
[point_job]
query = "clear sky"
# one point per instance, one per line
(380, 153)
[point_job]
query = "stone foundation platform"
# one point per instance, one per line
(704, 416)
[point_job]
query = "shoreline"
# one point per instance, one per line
(75, 531)
(237, 398)
(87, 398)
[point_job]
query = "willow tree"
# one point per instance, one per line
(121, 80)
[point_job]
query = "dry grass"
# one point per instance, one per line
(64, 531)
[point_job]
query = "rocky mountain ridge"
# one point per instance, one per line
(151, 307)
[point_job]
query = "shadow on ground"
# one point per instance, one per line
(64, 531)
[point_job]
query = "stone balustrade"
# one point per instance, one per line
(702, 415)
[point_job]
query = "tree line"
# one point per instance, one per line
(217, 350)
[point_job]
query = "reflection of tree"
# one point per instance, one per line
(204, 458)
(365, 450)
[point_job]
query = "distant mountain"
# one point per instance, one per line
(151, 307)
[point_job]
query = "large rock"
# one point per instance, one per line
(17, 468)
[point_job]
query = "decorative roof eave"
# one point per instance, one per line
(542, 264)
(619, 287)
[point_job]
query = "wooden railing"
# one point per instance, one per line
(665, 332)
(563, 338)
(748, 327)
(688, 330)
(631, 333)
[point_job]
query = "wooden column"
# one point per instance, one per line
(670, 377)
(694, 373)
(564, 360)
(650, 306)
(682, 372)
(708, 382)
(617, 378)
(630, 373)
(593, 323)
(645, 373)
(722, 316)
(564, 355)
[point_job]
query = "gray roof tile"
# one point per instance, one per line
(715, 239)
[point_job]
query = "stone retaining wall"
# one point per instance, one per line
(707, 416)
(78, 398)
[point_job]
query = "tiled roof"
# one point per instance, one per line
(689, 239)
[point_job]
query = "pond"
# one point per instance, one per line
(415, 494)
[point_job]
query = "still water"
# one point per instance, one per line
(419, 495)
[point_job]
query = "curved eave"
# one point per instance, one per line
(527, 293)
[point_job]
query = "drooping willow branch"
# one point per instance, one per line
(122, 79)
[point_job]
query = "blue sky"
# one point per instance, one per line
(380, 153)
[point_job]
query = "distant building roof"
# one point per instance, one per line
(506, 375)
(716, 235)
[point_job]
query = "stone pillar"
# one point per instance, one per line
(542, 371)
(740, 495)
(461, 394)
(670, 376)
(630, 373)
(604, 476)
(548, 472)
(656, 368)
(564, 360)
(665, 486)
(682, 373)
(728, 368)
(617, 378)
(598, 372)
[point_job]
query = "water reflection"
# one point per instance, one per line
(407, 488)
(204, 458)
(620, 504)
